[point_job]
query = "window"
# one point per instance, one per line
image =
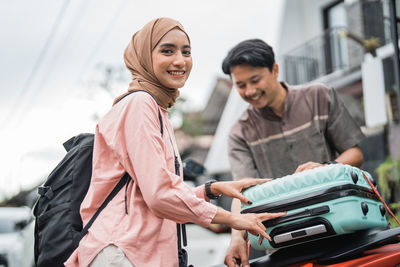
(336, 51)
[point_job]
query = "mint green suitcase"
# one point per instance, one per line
(320, 203)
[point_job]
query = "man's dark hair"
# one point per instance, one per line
(254, 52)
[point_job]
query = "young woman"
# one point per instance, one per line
(138, 227)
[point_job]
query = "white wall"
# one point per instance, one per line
(217, 157)
(301, 21)
(374, 91)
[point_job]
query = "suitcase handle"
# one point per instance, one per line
(298, 215)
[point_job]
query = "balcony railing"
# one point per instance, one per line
(322, 55)
(332, 51)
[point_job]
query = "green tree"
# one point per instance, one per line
(389, 181)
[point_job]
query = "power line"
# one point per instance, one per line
(25, 89)
(101, 41)
(40, 85)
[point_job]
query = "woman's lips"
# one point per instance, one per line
(177, 73)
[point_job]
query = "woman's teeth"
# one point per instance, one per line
(176, 72)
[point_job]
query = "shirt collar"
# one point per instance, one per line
(267, 112)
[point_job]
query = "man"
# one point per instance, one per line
(284, 130)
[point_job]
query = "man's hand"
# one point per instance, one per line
(250, 222)
(308, 166)
(237, 253)
(352, 156)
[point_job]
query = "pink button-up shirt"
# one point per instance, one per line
(128, 139)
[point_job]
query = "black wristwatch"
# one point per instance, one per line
(209, 194)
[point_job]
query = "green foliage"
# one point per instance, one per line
(389, 181)
(192, 126)
(388, 173)
(396, 208)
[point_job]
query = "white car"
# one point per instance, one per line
(16, 237)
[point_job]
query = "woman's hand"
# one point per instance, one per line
(251, 222)
(234, 188)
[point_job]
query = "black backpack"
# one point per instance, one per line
(58, 224)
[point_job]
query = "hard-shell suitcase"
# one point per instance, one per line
(322, 202)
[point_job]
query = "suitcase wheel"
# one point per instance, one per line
(354, 177)
(364, 208)
(382, 209)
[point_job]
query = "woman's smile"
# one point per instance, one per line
(177, 73)
(172, 59)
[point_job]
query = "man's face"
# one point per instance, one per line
(256, 85)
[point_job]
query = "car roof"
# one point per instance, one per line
(16, 213)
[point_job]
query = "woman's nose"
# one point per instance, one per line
(179, 59)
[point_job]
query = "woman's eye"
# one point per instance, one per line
(167, 51)
(187, 53)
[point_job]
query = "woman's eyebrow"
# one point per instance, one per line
(173, 45)
(168, 45)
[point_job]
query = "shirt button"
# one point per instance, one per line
(291, 146)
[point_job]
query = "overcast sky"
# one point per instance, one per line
(53, 54)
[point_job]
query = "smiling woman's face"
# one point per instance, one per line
(172, 59)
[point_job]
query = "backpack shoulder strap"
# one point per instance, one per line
(124, 180)
(159, 113)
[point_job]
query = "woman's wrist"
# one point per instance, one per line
(222, 217)
(215, 189)
(212, 189)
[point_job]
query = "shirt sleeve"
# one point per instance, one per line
(240, 158)
(199, 191)
(165, 193)
(342, 131)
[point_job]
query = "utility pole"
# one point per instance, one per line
(395, 40)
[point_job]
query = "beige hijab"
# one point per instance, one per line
(138, 60)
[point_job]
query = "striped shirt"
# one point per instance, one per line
(315, 127)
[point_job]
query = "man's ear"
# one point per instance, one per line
(276, 69)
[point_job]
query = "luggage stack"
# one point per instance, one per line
(320, 203)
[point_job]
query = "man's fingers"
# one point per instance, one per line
(231, 262)
(244, 258)
(300, 168)
(308, 165)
